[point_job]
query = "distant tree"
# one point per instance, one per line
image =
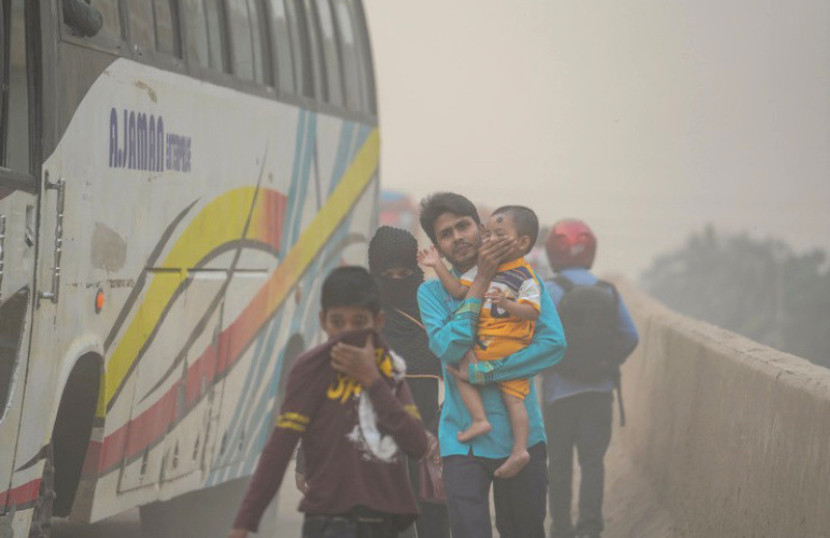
(761, 289)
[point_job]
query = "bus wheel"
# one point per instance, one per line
(42, 517)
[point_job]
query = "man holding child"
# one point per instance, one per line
(475, 459)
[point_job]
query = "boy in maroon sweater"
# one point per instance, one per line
(348, 401)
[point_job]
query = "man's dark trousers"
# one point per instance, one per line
(584, 421)
(519, 501)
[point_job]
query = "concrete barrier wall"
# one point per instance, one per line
(733, 436)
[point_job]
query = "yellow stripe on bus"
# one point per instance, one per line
(354, 181)
(222, 221)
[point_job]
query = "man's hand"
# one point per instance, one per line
(491, 255)
(238, 533)
(359, 363)
(429, 257)
(301, 483)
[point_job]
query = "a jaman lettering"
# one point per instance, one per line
(142, 142)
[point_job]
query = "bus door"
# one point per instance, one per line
(18, 217)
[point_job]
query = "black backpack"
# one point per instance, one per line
(590, 318)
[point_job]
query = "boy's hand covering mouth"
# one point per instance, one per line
(357, 362)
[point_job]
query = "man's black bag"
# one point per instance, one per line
(590, 318)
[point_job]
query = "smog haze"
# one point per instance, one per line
(648, 119)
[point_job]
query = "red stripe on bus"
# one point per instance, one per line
(22, 494)
(112, 451)
(132, 438)
(93, 456)
(151, 425)
(232, 342)
(139, 433)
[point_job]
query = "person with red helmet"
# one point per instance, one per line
(578, 391)
(571, 243)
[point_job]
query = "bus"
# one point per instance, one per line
(176, 178)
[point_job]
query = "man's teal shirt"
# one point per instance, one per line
(451, 328)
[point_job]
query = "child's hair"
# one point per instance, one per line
(525, 220)
(436, 204)
(350, 285)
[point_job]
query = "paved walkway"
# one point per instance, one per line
(631, 510)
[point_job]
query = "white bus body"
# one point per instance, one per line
(162, 260)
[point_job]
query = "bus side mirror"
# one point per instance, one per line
(84, 19)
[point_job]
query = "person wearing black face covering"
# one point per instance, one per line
(393, 263)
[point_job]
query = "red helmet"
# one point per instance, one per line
(571, 243)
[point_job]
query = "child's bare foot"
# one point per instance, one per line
(513, 465)
(477, 428)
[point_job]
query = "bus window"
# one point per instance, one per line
(239, 27)
(257, 40)
(349, 53)
(281, 45)
(112, 21)
(15, 131)
(166, 39)
(315, 54)
(367, 75)
(215, 38)
(142, 32)
(301, 48)
(195, 19)
(334, 77)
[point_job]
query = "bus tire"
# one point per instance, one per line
(41, 526)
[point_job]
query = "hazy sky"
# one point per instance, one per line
(646, 118)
